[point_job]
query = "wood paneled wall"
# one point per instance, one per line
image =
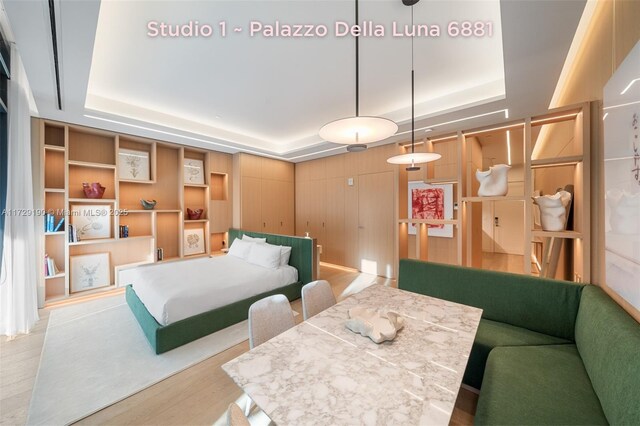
(349, 203)
(263, 194)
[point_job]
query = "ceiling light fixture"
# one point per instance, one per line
(358, 130)
(413, 158)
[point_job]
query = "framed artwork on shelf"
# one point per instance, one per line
(91, 221)
(193, 241)
(193, 171)
(89, 271)
(428, 201)
(133, 165)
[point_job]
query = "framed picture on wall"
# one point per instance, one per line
(193, 171)
(89, 271)
(91, 221)
(428, 201)
(133, 165)
(193, 241)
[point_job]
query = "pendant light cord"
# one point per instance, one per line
(357, 66)
(413, 135)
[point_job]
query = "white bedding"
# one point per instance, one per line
(177, 290)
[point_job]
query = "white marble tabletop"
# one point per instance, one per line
(320, 373)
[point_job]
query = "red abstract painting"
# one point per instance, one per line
(428, 204)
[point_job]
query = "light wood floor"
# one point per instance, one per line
(196, 396)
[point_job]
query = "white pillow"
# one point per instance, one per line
(245, 237)
(240, 249)
(265, 255)
(285, 254)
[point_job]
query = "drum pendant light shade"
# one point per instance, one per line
(413, 157)
(358, 130)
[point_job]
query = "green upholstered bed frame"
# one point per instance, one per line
(166, 337)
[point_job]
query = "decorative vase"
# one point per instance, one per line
(624, 211)
(493, 182)
(553, 210)
(95, 190)
(194, 214)
(148, 204)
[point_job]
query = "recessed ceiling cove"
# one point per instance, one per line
(259, 85)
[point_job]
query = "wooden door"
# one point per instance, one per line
(375, 223)
(250, 204)
(302, 192)
(271, 199)
(508, 228)
(286, 209)
(334, 247)
(316, 203)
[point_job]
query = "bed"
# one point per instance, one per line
(174, 317)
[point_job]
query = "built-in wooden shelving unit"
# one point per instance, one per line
(71, 155)
(546, 152)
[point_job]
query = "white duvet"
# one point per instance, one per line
(177, 290)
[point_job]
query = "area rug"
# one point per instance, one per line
(95, 355)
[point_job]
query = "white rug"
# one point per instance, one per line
(95, 355)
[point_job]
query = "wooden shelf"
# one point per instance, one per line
(500, 198)
(196, 221)
(96, 241)
(142, 182)
(54, 148)
(196, 185)
(55, 233)
(441, 181)
(58, 275)
(556, 162)
(90, 164)
(430, 221)
(151, 211)
(92, 200)
(137, 237)
(557, 234)
(59, 190)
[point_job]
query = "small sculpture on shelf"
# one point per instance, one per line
(94, 190)
(148, 204)
(194, 214)
(493, 182)
(553, 210)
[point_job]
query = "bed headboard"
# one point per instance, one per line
(302, 251)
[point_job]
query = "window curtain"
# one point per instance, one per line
(18, 279)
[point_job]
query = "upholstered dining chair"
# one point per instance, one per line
(316, 297)
(235, 416)
(269, 317)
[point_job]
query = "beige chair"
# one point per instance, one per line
(316, 297)
(269, 317)
(235, 416)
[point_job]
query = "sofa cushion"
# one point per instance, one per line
(609, 343)
(492, 334)
(542, 305)
(537, 385)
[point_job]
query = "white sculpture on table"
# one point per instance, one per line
(624, 213)
(493, 182)
(377, 326)
(553, 210)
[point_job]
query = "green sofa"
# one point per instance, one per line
(546, 351)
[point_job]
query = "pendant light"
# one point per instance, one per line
(414, 157)
(359, 130)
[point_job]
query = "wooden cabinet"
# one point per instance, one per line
(265, 190)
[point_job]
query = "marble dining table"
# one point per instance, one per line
(321, 373)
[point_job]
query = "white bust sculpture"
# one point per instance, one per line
(624, 213)
(553, 210)
(493, 182)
